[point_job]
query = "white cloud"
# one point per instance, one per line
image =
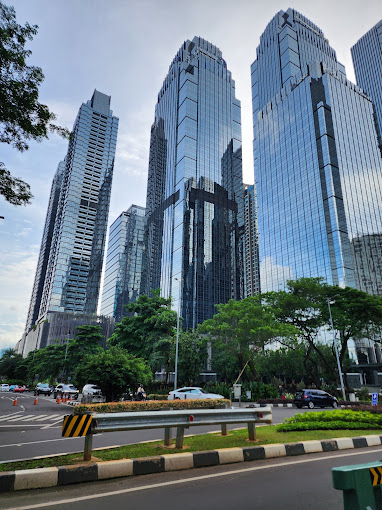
(274, 276)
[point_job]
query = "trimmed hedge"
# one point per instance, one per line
(153, 405)
(326, 420)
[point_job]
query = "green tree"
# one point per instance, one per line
(113, 371)
(150, 319)
(244, 327)
(9, 362)
(22, 116)
(192, 357)
(48, 362)
(87, 340)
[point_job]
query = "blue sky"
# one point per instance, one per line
(124, 48)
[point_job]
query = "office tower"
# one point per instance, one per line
(46, 243)
(317, 162)
(251, 251)
(194, 207)
(70, 262)
(123, 262)
(367, 60)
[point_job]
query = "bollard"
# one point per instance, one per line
(88, 447)
(361, 485)
(224, 429)
(179, 437)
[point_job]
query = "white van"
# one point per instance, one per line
(4, 387)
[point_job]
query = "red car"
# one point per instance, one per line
(19, 389)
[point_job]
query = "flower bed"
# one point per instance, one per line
(153, 405)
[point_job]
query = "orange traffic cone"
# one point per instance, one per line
(58, 401)
(64, 399)
(70, 399)
(35, 401)
(15, 402)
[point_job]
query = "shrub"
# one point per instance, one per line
(347, 419)
(156, 405)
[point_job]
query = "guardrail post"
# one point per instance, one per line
(251, 432)
(88, 447)
(179, 437)
(167, 436)
(224, 429)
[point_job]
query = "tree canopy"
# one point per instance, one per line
(22, 116)
(150, 319)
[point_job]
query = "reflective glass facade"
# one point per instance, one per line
(251, 243)
(123, 262)
(317, 162)
(79, 219)
(194, 208)
(367, 60)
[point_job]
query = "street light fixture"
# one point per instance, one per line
(177, 340)
(336, 349)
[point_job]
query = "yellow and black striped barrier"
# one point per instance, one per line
(76, 426)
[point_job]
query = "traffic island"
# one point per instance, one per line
(93, 471)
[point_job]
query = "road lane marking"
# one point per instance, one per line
(21, 418)
(8, 415)
(38, 442)
(186, 480)
(51, 424)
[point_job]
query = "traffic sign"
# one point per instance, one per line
(374, 399)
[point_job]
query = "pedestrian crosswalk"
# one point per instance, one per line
(29, 418)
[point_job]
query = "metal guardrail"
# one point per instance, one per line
(361, 485)
(112, 422)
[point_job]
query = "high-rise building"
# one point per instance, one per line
(251, 249)
(194, 208)
(367, 60)
(123, 262)
(70, 262)
(317, 163)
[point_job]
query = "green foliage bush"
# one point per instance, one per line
(258, 389)
(158, 405)
(342, 419)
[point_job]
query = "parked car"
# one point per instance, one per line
(191, 393)
(4, 387)
(19, 389)
(314, 398)
(66, 389)
(12, 387)
(43, 389)
(91, 389)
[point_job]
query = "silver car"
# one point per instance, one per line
(191, 393)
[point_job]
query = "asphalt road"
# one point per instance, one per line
(28, 430)
(286, 483)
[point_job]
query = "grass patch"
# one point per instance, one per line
(236, 438)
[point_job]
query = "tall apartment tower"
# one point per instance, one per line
(70, 262)
(123, 262)
(194, 208)
(317, 162)
(251, 243)
(367, 60)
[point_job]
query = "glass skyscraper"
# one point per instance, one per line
(194, 208)
(70, 262)
(123, 262)
(251, 243)
(367, 60)
(317, 162)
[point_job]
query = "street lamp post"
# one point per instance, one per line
(336, 349)
(177, 340)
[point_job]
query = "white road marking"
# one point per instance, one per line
(38, 442)
(186, 480)
(20, 418)
(8, 415)
(51, 424)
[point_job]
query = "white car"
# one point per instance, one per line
(91, 389)
(191, 393)
(4, 387)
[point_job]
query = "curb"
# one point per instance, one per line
(94, 471)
